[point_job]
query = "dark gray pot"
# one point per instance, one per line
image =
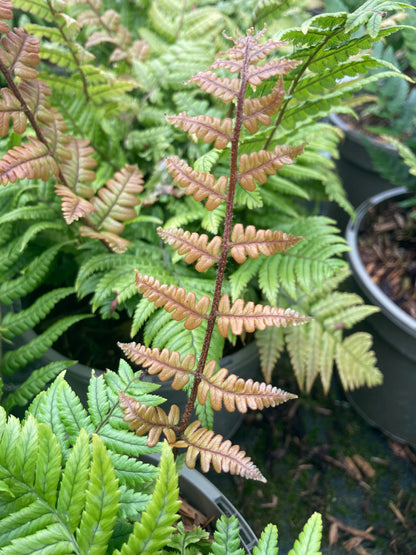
(207, 498)
(390, 407)
(355, 168)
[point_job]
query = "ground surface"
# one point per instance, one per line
(319, 455)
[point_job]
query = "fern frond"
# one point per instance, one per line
(257, 165)
(226, 537)
(200, 185)
(236, 392)
(207, 128)
(309, 541)
(21, 356)
(223, 456)
(6, 12)
(193, 246)
(270, 344)
(164, 363)
(220, 87)
(259, 109)
(250, 317)
(101, 503)
(357, 364)
(174, 299)
(251, 242)
(19, 53)
(78, 168)
(150, 420)
(32, 160)
(115, 201)
(115, 242)
(74, 207)
(11, 108)
(156, 525)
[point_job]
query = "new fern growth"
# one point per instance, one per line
(216, 312)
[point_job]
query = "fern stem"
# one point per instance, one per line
(71, 49)
(31, 117)
(222, 262)
(294, 84)
(181, 19)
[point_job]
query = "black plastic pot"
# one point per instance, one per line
(355, 168)
(391, 406)
(207, 498)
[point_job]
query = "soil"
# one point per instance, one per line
(319, 455)
(387, 247)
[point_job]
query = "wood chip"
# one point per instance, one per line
(364, 534)
(397, 513)
(333, 534)
(364, 466)
(353, 470)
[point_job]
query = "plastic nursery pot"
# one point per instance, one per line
(391, 406)
(355, 168)
(207, 498)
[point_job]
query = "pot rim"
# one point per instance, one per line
(389, 308)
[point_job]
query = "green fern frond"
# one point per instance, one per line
(19, 322)
(13, 360)
(357, 364)
(267, 544)
(151, 534)
(226, 537)
(309, 541)
(37, 380)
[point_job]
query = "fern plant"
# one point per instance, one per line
(71, 480)
(322, 51)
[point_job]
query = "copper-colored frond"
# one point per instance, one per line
(235, 392)
(200, 185)
(207, 128)
(257, 165)
(73, 206)
(6, 12)
(30, 160)
(164, 363)
(220, 87)
(193, 246)
(256, 74)
(223, 456)
(20, 53)
(149, 420)
(77, 170)
(252, 316)
(115, 242)
(259, 110)
(174, 299)
(252, 242)
(115, 201)
(11, 109)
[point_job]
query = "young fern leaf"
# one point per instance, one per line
(207, 128)
(251, 242)
(20, 53)
(73, 206)
(258, 165)
(226, 537)
(150, 420)
(249, 317)
(233, 391)
(259, 110)
(174, 299)
(211, 448)
(6, 12)
(164, 363)
(200, 185)
(220, 87)
(193, 246)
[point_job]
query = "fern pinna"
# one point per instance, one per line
(235, 242)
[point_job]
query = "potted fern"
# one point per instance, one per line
(108, 279)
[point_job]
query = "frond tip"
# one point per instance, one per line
(223, 455)
(237, 392)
